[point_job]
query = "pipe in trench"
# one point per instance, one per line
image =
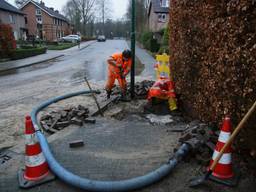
(94, 185)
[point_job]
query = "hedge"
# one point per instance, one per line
(7, 41)
(88, 38)
(61, 46)
(213, 56)
(24, 53)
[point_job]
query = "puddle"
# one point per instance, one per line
(29, 68)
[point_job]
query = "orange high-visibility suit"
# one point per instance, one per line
(118, 70)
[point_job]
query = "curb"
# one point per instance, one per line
(38, 62)
(87, 45)
(27, 65)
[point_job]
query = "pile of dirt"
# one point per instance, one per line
(213, 51)
(58, 120)
(140, 89)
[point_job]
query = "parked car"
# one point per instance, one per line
(71, 38)
(101, 38)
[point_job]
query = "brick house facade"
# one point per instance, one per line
(15, 18)
(44, 22)
(158, 14)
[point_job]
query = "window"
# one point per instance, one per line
(11, 18)
(26, 20)
(39, 19)
(38, 12)
(164, 3)
(161, 18)
(167, 3)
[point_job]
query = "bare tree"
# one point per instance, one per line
(73, 14)
(81, 14)
(85, 7)
(104, 13)
(141, 14)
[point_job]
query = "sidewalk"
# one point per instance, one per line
(146, 59)
(49, 55)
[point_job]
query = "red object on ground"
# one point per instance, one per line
(223, 169)
(162, 89)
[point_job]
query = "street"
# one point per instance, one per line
(22, 89)
(116, 148)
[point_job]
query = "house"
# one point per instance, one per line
(158, 14)
(44, 22)
(15, 18)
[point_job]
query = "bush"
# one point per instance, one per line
(7, 41)
(149, 43)
(61, 46)
(164, 49)
(26, 47)
(52, 43)
(83, 38)
(145, 37)
(165, 40)
(154, 46)
(23, 53)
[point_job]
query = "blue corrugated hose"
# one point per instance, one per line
(100, 186)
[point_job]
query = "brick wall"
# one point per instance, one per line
(154, 25)
(18, 22)
(50, 30)
(30, 10)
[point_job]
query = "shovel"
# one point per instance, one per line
(199, 180)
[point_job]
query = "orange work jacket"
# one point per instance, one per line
(120, 64)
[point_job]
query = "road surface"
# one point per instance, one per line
(24, 88)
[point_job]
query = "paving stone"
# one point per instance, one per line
(76, 143)
(76, 121)
(92, 121)
(62, 124)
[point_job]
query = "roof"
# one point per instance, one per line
(157, 8)
(48, 10)
(8, 7)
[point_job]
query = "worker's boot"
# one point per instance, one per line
(124, 97)
(108, 94)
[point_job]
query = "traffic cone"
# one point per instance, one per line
(223, 172)
(36, 169)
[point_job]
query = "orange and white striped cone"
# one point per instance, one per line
(223, 172)
(36, 171)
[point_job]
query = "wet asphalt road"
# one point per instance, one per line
(91, 60)
(25, 88)
(69, 69)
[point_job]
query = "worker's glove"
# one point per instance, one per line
(123, 76)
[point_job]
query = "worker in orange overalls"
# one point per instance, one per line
(119, 65)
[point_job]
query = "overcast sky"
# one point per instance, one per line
(118, 10)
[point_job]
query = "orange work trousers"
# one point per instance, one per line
(111, 81)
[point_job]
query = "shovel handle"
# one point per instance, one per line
(94, 97)
(233, 135)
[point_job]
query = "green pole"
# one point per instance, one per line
(133, 49)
